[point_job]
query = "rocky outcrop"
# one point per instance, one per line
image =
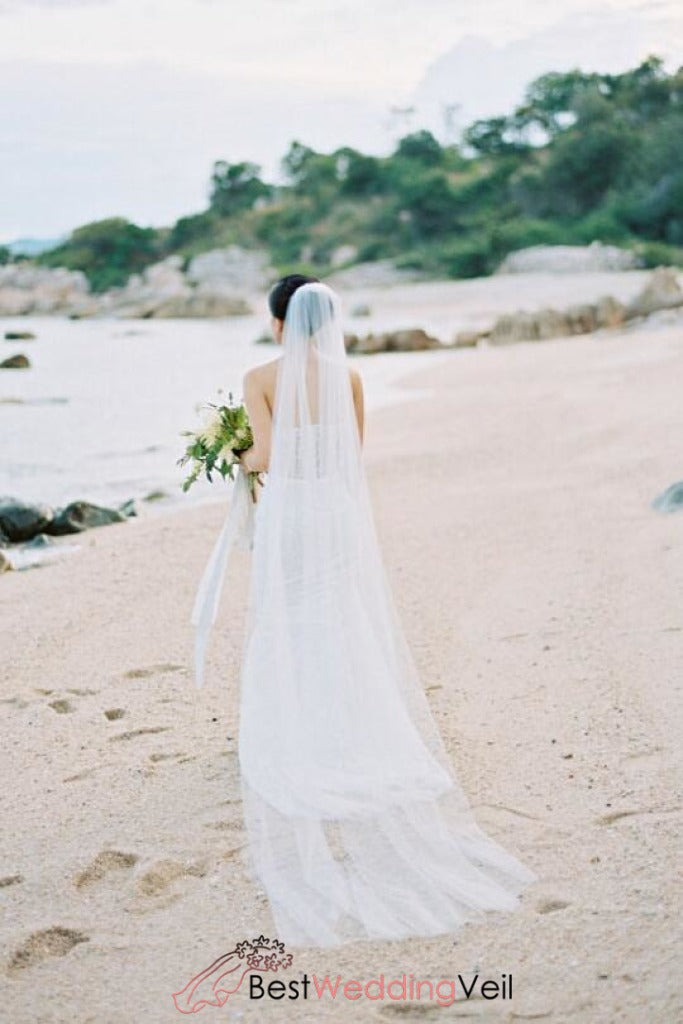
(662, 291)
(26, 288)
(411, 340)
(214, 285)
(568, 259)
(234, 271)
(164, 291)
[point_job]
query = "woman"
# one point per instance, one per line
(357, 825)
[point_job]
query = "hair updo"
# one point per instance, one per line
(281, 293)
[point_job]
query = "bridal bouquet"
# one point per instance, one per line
(217, 444)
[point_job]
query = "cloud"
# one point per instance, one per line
(485, 80)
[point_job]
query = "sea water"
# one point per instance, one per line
(99, 413)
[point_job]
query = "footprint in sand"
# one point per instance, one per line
(104, 862)
(414, 1012)
(164, 873)
(550, 906)
(40, 945)
(145, 731)
(159, 756)
(62, 706)
(224, 826)
(112, 714)
(152, 670)
(10, 880)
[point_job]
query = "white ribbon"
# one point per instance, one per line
(237, 529)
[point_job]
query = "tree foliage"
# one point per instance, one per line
(584, 156)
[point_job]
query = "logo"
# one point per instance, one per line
(216, 983)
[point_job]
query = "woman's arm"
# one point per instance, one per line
(256, 458)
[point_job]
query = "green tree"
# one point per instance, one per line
(236, 187)
(107, 251)
(422, 147)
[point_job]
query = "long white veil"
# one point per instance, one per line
(358, 827)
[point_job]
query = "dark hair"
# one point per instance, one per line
(281, 293)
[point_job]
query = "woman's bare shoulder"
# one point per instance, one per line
(263, 372)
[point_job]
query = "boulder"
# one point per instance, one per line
(568, 259)
(18, 362)
(82, 515)
(411, 340)
(662, 291)
(20, 520)
(19, 336)
(512, 327)
(467, 339)
(670, 500)
(551, 324)
(27, 288)
(581, 319)
(233, 270)
(609, 312)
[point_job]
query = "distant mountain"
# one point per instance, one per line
(32, 246)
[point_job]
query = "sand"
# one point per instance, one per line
(541, 596)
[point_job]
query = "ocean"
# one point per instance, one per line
(98, 414)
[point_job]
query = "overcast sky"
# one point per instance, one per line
(120, 107)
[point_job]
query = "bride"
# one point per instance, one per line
(357, 825)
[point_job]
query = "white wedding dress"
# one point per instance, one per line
(357, 825)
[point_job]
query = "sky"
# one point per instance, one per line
(120, 107)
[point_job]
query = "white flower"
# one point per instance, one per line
(212, 429)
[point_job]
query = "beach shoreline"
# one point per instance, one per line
(541, 596)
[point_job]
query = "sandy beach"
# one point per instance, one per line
(541, 595)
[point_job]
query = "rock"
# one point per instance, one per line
(19, 336)
(467, 339)
(18, 362)
(662, 291)
(157, 495)
(27, 288)
(202, 304)
(163, 291)
(551, 324)
(375, 274)
(670, 500)
(362, 309)
(5, 562)
(411, 340)
(20, 520)
(264, 339)
(233, 270)
(581, 319)
(82, 515)
(568, 259)
(128, 508)
(609, 312)
(512, 327)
